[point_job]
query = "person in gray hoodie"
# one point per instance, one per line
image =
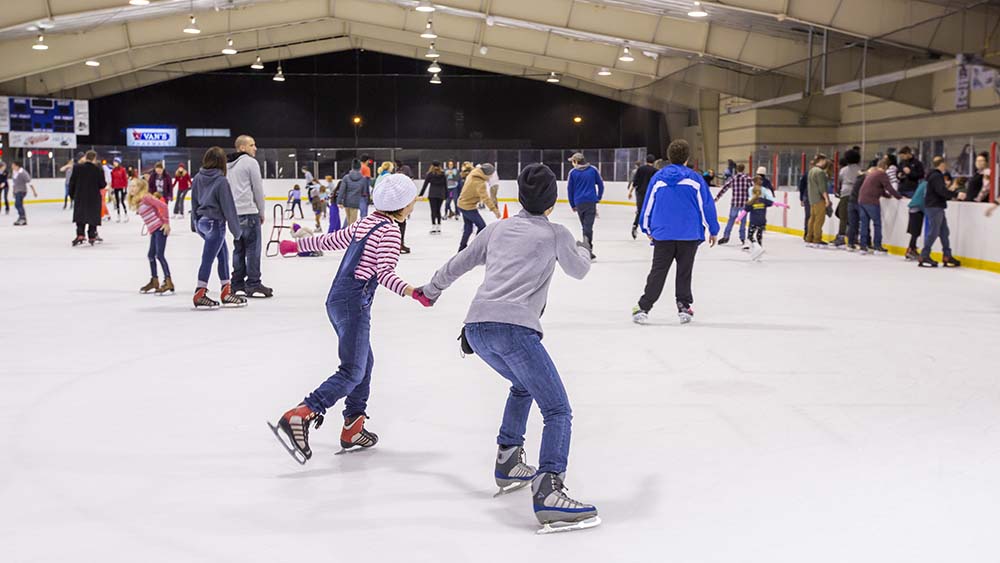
(212, 210)
(248, 195)
(503, 328)
(355, 189)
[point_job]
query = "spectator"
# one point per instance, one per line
(935, 203)
(875, 187)
(847, 176)
(912, 171)
(975, 191)
(709, 177)
(741, 185)
(819, 200)
(85, 185)
(247, 187)
(354, 192)
(586, 189)
(640, 182)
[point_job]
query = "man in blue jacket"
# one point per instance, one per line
(677, 210)
(586, 189)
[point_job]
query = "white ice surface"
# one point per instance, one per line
(822, 407)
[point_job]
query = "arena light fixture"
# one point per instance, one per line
(356, 120)
(432, 53)
(626, 56)
(605, 71)
(434, 68)
(257, 64)
(192, 26)
(483, 50)
(553, 78)
(279, 76)
(93, 63)
(425, 6)
(139, 2)
(229, 49)
(697, 11)
(429, 31)
(40, 44)
(577, 119)
(435, 79)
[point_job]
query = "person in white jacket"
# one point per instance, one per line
(248, 194)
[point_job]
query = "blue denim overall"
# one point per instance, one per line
(349, 307)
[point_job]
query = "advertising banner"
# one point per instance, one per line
(151, 136)
(42, 140)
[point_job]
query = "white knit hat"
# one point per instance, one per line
(762, 171)
(394, 192)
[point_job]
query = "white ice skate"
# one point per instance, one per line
(757, 252)
(553, 527)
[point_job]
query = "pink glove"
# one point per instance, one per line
(785, 205)
(740, 217)
(288, 248)
(423, 299)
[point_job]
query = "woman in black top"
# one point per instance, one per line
(438, 183)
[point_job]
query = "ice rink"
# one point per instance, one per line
(822, 407)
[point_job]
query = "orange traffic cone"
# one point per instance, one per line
(506, 215)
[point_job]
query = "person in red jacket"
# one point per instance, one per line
(160, 183)
(182, 180)
(119, 183)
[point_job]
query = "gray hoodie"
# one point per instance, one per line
(353, 187)
(246, 183)
(520, 256)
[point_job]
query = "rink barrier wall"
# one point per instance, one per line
(975, 238)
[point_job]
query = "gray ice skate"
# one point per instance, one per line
(511, 472)
(555, 510)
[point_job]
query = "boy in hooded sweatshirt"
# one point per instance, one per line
(503, 328)
(677, 210)
(212, 210)
(586, 189)
(354, 191)
(372, 252)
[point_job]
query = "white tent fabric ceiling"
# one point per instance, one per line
(748, 48)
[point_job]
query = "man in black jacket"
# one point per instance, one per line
(935, 203)
(911, 171)
(640, 181)
(85, 185)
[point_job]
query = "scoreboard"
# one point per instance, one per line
(44, 122)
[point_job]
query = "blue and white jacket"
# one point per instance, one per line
(678, 206)
(584, 184)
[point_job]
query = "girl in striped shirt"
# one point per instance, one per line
(372, 251)
(154, 214)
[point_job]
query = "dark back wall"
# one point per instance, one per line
(315, 110)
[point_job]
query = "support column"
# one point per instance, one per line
(708, 121)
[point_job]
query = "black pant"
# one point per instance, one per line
(3, 192)
(179, 204)
(842, 215)
(587, 211)
(640, 196)
(402, 234)
(91, 231)
(756, 233)
(436, 210)
(808, 213)
(664, 254)
(120, 200)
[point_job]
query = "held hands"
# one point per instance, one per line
(418, 295)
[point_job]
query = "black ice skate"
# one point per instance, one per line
(950, 262)
(511, 472)
(78, 241)
(556, 511)
(294, 426)
(354, 437)
(259, 291)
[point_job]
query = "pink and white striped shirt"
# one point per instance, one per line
(153, 212)
(380, 255)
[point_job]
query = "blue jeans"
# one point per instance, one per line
(19, 203)
(246, 252)
(516, 353)
(363, 207)
(937, 226)
(471, 218)
(451, 204)
(214, 233)
(157, 252)
(734, 212)
(871, 213)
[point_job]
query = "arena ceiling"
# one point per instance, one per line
(750, 49)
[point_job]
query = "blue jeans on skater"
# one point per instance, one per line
(363, 208)
(871, 213)
(516, 353)
(157, 252)
(214, 233)
(246, 252)
(937, 226)
(472, 219)
(734, 212)
(19, 203)
(349, 307)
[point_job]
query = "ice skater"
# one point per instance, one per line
(474, 193)
(372, 252)
(585, 188)
(155, 214)
(212, 210)
(295, 200)
(21, 181)
(86, 188)
(740, 184)
(757, 209)
(674, 218)
(503, 328)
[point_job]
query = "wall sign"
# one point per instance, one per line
(42, 140)
(151, 136)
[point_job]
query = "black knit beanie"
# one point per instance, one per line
(536, 188)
